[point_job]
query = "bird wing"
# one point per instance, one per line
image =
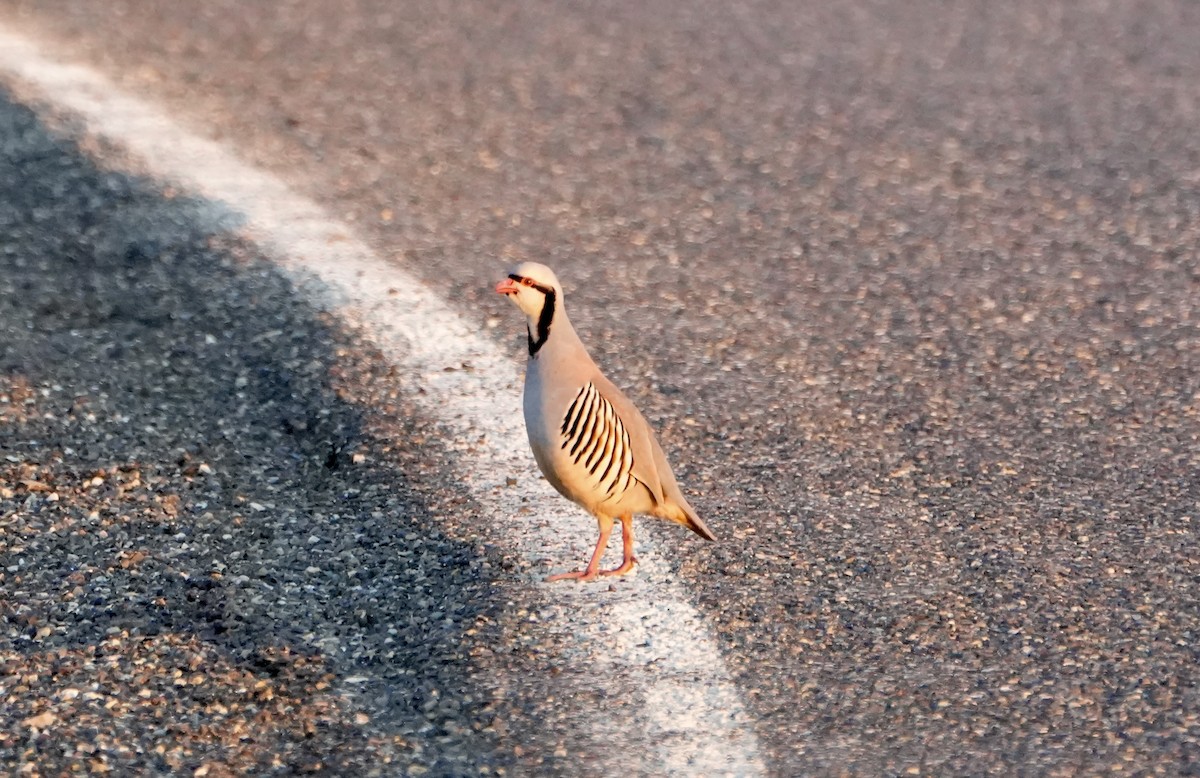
(606, 435)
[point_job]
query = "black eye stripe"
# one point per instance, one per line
(527, 281)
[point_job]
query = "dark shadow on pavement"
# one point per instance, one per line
(210, 553)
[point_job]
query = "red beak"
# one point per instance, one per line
(507, 286)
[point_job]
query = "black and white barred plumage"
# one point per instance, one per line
(595, 438)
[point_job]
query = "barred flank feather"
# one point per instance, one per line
(596, 439)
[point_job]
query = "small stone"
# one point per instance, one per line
(41, 721)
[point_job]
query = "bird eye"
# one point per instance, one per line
(527, 281)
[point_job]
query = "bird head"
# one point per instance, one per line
(535, 290)
(531, 286)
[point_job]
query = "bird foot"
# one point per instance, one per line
(625, 567)
(583, 576)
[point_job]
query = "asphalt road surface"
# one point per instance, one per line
(911, 290)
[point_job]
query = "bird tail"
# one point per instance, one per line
(686, 516)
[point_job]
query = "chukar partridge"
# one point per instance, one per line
(591, 443)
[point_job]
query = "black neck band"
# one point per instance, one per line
(543, 325)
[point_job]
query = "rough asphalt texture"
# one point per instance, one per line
(911, 288)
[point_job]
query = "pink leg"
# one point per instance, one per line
(629, 560)
(593, 568)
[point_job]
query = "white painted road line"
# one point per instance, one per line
(654, 639)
